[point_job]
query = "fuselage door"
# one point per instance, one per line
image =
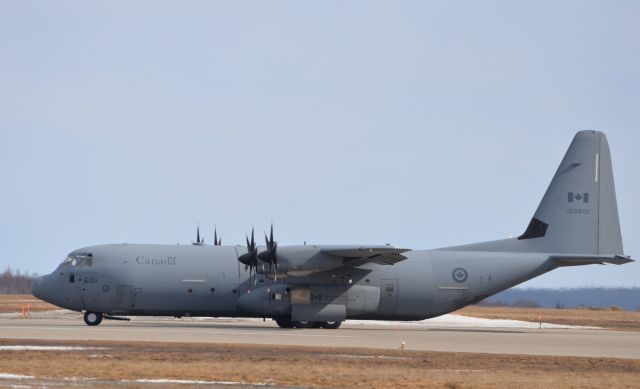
(388, 296)
(124, 298)
(137, 293)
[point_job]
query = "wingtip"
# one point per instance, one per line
(622, 259)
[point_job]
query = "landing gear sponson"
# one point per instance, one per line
(284, 322)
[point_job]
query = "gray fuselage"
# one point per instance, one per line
(178, 280)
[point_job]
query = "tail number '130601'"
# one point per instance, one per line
(578, 211)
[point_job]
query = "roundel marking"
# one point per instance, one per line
(459, 274)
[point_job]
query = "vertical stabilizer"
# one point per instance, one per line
(578, 213)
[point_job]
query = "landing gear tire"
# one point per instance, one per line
(330, 325)
(92, 318)
(284, 322)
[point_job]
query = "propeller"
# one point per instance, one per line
(250, 259)
(270, 256)
(216, 241)
(198, 241)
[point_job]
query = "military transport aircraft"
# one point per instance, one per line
(310, 285)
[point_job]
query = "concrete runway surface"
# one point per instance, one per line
(568, 342)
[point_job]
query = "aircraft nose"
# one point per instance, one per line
(37, 287)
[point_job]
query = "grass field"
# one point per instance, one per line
(10, 303)
(616, 320)
(316, 367)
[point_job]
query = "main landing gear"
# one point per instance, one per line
(284, 322)
(92, 318)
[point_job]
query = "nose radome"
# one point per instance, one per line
(36, 288)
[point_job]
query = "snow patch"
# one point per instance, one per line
(8, 376)
(191, 382)
(351, 356)
(48, 348)
(459, 321)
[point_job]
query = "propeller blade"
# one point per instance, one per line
(250, 258)
(271, 240)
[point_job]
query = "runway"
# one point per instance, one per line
(528, 341)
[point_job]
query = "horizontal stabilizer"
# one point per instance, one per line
(577, 260)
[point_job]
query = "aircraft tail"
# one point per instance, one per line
(578, 213)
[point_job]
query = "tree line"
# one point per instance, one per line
(15, 282)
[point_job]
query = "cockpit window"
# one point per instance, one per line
(79, 259)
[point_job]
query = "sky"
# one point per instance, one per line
(420, 124)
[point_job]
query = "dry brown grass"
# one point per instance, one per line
(611, 319)
(12, 303)
(319, 367)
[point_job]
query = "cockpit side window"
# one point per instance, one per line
(79, 260)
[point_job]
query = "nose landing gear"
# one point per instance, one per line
(92, 318)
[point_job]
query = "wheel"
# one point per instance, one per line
(330, 325)
(92, 318)
(284, 322)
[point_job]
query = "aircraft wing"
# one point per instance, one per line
(359, 255)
